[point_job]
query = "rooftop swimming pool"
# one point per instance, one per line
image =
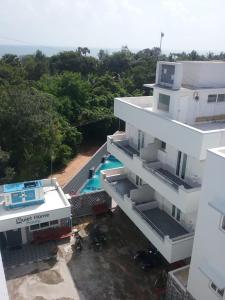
(94, 183)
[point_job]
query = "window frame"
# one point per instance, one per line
(222, 223)
(43, 226)
(162, 106)
(220, 101)
(52, 223)
(210, 95)
(216, 290)
(38, 227)
(163, 146)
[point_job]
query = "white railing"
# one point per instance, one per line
(140, 101)
(173, 249)
(154, 166)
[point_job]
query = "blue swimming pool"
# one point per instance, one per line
(94, 183)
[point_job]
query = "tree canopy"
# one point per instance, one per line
(49, 104)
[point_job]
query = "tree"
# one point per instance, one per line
(35, 65)
(31, 131)
(11, 59)
(83, 51)
(73, 61)
(6, 172)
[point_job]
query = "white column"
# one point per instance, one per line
(24, 235)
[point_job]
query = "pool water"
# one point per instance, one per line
(94, 183)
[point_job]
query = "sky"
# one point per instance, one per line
(187, 24)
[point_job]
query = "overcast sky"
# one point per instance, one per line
(187, 24)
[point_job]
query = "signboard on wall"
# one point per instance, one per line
(20, 221)
(31, 220)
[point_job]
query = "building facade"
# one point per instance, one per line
(207, 267)
(33, 211)
(164, 150)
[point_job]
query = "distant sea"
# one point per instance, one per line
(48, 51)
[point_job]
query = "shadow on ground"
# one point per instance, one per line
(111, 272)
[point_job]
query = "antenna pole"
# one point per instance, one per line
(160, 45)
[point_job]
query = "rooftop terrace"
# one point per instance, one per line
(54, 200)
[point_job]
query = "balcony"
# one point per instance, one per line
(184, 194)
(165, 173)
(160, 221)
(167, 235)
(139, 112)
(119, 144)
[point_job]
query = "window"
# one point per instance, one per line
(173, 210)
(178, 214)
(45, 224)
(137, 179)
(223, 223)
(34, 227)
(184, 164)
(163, 145)
(221, 98)
(178, 163)
(167, 73)
(54, 222)
(219, 292)
(212, 98)
(164, 102)
(30, 184)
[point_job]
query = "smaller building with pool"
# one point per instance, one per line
(34, 211)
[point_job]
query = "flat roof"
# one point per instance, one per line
(214, 125)
(20, 186)
(184, 87)
(54, 199)
(144, 102)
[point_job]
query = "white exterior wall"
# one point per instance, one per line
(188, 220)
(3, 288)
(194, 168)
(184, 108)
(202, 108)
(132, 135)
(179, 130)
(27, 220)
(204, 74)
(172, 250)
(169, 130)
(209, 242)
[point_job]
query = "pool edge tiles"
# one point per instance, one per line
(94, 184)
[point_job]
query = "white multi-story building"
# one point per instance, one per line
(207, 270)
(164, 149)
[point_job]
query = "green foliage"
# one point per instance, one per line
(48, 105)
(32, 131)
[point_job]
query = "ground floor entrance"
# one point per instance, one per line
(13, 238)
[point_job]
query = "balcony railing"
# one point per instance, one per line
(162, 223)
(165, 173)
(169, 236)
(122, 142)
(154, 227)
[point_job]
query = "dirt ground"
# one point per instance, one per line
(86, 151)
(107, 273)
